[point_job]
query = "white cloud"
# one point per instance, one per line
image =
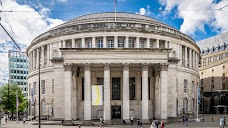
(143, 11)
(26, 24)
(197, 13)
(62, 1)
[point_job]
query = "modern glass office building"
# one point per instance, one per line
(18, 69)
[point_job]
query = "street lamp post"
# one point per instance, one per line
(8, 97)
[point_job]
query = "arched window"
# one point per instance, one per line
(43, 107)
(185, 105)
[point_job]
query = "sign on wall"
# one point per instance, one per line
(97, 95)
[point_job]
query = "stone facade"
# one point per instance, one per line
(141, 63)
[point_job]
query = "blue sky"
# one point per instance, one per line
(199, 19)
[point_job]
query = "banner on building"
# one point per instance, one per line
(97, 94)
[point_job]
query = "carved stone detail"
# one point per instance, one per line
(145, 67)
(106, 66)
(67, 67)
(164, 67)
(87, 66)
(126, 66)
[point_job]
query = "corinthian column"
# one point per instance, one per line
(164, 90)
(145, 108)
(107, 106)
(87, 92)
(126, 104)
(68, 93)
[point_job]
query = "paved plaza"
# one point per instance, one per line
(206, 124)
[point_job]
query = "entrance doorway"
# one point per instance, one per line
(116, 112)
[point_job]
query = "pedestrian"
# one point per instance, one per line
(101, 122)
(6, 119)
(138, 122)
(124, 122)
(24, 119)
(156, 123)
(224, 121)
(153, 125)
(183, 119)
(132, 119)
(221, 122)
(186, 120)
(162, 124)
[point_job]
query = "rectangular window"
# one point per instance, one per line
(89, 44)
(100, 43)
(151, 44)
(100, 81)
(110, 43)
(116, 92)
(193, 87)
(141, 43)
(120, 43)
(43, 86)
(82, 88)
(132, 88)
(185, 85)
(131, 43)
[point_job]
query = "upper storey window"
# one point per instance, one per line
(142, 44)
(100, 43)
(110, 43)
(131, 43)
(120, 43)
(89, 44)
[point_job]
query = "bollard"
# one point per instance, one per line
(212, 119)
(79, 126)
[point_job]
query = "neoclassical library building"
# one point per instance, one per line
(113, 65)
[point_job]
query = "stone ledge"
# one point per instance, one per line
(68, 123)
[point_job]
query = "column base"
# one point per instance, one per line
(68, 123)
(166, 121)
(107, 122)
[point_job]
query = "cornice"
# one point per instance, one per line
(214, 64)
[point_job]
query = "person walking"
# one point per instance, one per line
(24, 119)
(221, 122)
(183, 119)
(162, 124)
(186, 120)
(132, 119)
(6, 118)
(224, 121)
(101, 122)
(153, 125)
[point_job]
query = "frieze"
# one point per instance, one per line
(56, 59)
(67, 67)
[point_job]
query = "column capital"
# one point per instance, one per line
(145, 66)
(126, 66)
(87, 66)
(106, 66)
(68, 67)
(164, 67)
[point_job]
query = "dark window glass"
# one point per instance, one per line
(82, 88)
(132, 88)
(116, 92)
(100, 81)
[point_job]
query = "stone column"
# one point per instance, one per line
(68, 94)
(104, 42)
(51, 48)
(197, 62)
(137, 42)
(157, 92)
(48, 54)
(194, 60)
(185, 57)
(33, 60)
(107, 89)
(73, 43)
(42, 56)
(83, 42)
(126, 96)
(157, 43)
(37, 58)
(87, 92)
(126, 42)
(60, 46)
(93, 42)
(180, 53)
(145, 105)
(164, 90)
(190, 58)
(64, 43)
(148, 43)
(115, 41)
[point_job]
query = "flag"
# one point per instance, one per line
(198, 95)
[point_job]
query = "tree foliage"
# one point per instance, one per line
(13, 88)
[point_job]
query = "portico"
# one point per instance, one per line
(104, 66)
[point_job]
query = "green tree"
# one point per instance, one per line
(11, 107)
